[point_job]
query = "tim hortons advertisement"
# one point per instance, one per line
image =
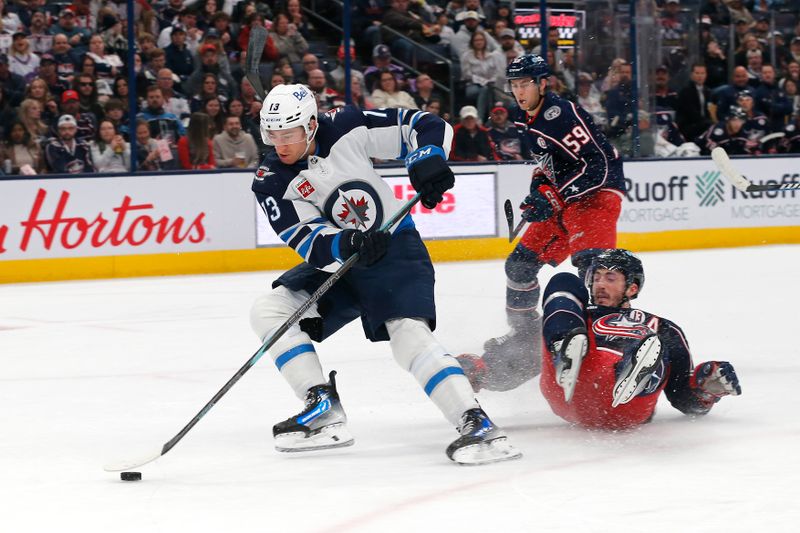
(124, 215)
(468, 209)
(693, 194)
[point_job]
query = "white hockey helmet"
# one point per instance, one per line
(286, 107)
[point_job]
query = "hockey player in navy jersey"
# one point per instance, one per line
(574, 203)
(325, 200)
(606, 363)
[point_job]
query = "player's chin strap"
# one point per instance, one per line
(309, 139)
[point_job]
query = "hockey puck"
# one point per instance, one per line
(130, 476)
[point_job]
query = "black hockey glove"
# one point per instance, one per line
(543, 202)
(430, 175)
(715, 379)
(371, 247)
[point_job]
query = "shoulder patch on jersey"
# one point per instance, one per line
(717, 131)
(761, 122)
(790, 127)
(263, 172)
(552, 112)
(541, 142)
(305, 188)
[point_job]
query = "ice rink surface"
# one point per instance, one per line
(94, 371)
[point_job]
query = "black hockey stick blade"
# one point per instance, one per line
(509, 212)
(255, 48)
(725, 166)
(268, 343)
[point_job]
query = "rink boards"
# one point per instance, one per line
(118, 226)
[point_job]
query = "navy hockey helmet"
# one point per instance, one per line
(620, 260)
(736, 112)
(528, 66)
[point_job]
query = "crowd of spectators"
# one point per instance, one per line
(65, 99)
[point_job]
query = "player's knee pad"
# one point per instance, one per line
(522, 266)
(411, 338)
(270, 311)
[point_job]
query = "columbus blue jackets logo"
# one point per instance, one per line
(355, 205)
(552, 112)
(617, 325)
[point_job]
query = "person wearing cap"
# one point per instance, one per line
(471, 141)
(86, 121)
(382, 59)
(509, 44)
(755, 60)
(178, 57)
(66, 154)
(209, 64)
(186, 19)
(503, 133)
(12, 84)
(666, 98)
(287, 39)
(470, 23)
(77, 37)
(21, 59)
(727, 133)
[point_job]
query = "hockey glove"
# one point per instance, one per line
(371, 247)
(430, 175)
(543, 202)
(715, 379)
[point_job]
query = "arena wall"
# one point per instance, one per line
(121, 226)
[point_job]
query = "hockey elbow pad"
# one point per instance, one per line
(430, 174)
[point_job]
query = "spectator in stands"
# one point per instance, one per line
(285, 69)
(692, 114)
(174, 102)
(37, 90)
(381, 59)
(30, 115)
(66, 60)
(195, 150)
(716, 65)
(115, 41)
(754, 64)
(21, 149)
(86, 66)
(505, 13)
(725, 97)
(771, 100)
(408, 20)
(10, 22)
(106, 65)
(86, 87)
(122, 92)
(178, 57)
(187, 19)
(557, 59)
(589, 99)
(297, 18)
(425, 92)
(110, 152)
(209, 89)
(482, 71)
(209, 64)
(77, 37)
(782, 55)
(7, 112)
(620, 102)
(288, 40)
(85, 122)
(509, 45)
(738, 12)
(206, 13)
(270, 52)
(337, 74)
(756, 124)
(792, 92)
(66, 153)
(389, 93)
(471, 141)
(716, 11)
(221, 24)
(148, 156)
(666, 98)
(156, 60)
(249, 99)
(235, 109)
(12, 84)
(41, 41)
(213, 108)
(234, 148)
(22, 61)
(310, 62)
(360, 99)
(504, 135)
(612, 78)
(163, 125)
(49, 75)
(147, 43)
(470, 23)
(794, 49)
(116, 114)
(319, 86)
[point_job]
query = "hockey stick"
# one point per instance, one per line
(725, 166)
(512, 231)
(155, 454)
(255, 48)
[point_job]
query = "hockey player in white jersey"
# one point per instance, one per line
(325, 200)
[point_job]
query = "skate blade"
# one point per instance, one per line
(576, 350)
(325, 438)
(484, 453)
(646, 356)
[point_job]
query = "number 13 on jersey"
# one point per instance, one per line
(576, 138)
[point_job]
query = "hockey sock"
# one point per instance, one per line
(564, 301)
(297, 361)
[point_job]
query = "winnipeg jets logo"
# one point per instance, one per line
(617, 325)
(354, 211)
(262, 173)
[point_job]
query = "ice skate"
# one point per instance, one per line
(568, 354)
(321, 425)
(481, 442)
(637, 369)
(516, 357)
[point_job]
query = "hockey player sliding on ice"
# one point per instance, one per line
(573, 205)
(606, 364)
(325, 200)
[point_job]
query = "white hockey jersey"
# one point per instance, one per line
(309, 203)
